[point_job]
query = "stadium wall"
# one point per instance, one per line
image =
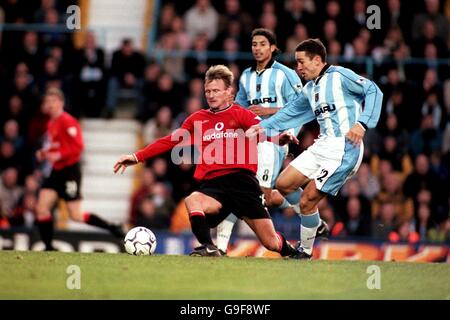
(169, 243)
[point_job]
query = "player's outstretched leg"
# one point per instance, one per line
(92, 219)
(197, 203)
(45, 226)
(308, 228)
(46, 200)
(270, 239)
(224, 230)
(293, 200)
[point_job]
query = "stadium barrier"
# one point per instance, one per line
(169, 243)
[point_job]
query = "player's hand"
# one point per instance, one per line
(125, 161)
(287, 137)
(40, 155)
(254, 130)
(356, 134)
(263, 111)
(52, 156)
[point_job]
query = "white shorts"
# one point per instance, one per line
(270, 161)
(330, 162)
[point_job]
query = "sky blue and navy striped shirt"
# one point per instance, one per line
(338, 98)
(275, 86)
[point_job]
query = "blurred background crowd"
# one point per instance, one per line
(402, 190)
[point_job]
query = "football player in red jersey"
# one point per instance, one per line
(226, 168)
(63, 151)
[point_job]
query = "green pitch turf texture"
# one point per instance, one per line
(43, 275)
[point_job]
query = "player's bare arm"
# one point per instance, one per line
(254, 130)
(263, 111)
(281, 139)
(124, 162)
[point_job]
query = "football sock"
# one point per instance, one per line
(308, 229)
(199, 227)
(94, 220)
(224, 230)
(284, 205)
(45, 226)
(294, 200)
(285, 249)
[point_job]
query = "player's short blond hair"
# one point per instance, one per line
(55, 92)
(220, 72)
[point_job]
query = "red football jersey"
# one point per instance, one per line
(65, 137)
(220, 138)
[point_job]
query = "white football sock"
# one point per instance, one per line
(224, 230)
(308, 229)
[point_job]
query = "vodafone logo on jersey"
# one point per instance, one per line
(219, 126)
(218, 133)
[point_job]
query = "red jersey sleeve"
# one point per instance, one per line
(182, 135)
(72, 137)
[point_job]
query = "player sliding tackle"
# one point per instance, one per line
(226, 166)
(345, 105)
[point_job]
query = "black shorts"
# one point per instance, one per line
(66, 182)
(239, 193)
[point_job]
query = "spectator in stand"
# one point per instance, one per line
(233, 13)
(432, 14)
(391, 192)
(404, 233)
(432, 107)
(51, 75)
(329, 32)
(11, 133)
(300, 34)
(8, 155)
(369, 184)
(127, 67)
(148, 215)
(356, 223)
(10, 191)
(31, 52)
(202, 18)
(145, 189)
(196, 90)
(197, 64)
(147, 109)
(90, 78)
(425, 139)
(422, 178)
(172, 64)
(193, 104)
(384, 222)
(39, 15)
(166, 17)
(159, 126)
(294, 13)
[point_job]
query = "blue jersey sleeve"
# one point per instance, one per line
(241, 96)
(369, 92)
(291, 88)
(295, 114)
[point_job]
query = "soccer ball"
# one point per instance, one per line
(140, 241)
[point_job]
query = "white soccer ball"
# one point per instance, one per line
(140, 241)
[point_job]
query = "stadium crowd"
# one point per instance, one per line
(402, 190)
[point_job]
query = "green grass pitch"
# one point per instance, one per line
(44, 275)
